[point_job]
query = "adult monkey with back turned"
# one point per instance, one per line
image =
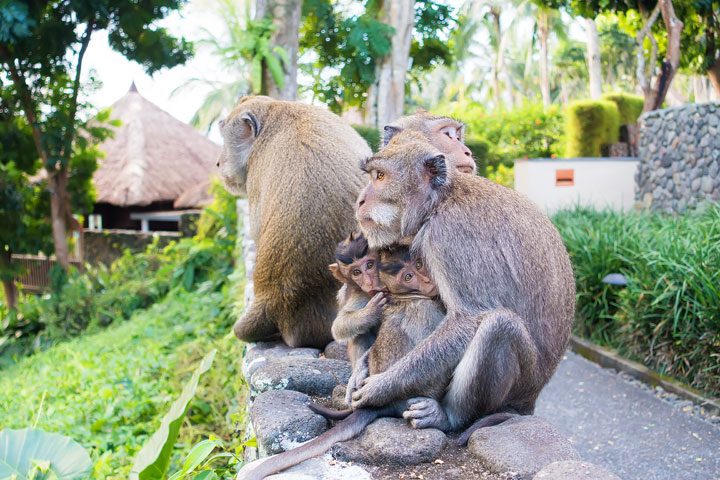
(502, 272)
(298, 165)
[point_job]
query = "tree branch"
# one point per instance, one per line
(645, 79)
(25, 100)
(670, 65)
(70, 132)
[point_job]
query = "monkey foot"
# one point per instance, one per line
(424, 412)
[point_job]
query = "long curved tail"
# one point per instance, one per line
(487, 421)
(344, 430)
(330, 413)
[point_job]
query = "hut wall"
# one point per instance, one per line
(114, 217)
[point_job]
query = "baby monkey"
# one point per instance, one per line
(361, 297)
(413, 312)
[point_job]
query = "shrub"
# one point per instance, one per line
(480, 150)
(590, 126)
(668, 316)
(370, 134)
(629, 106)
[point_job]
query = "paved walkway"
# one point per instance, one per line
(626, 429)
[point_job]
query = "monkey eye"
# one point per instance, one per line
(418, 264)
(356, 272)
(408, 277)
(379, 175)
(370, 265)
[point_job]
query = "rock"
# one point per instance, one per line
(314, 376)
(707, 185)
(337, 351)
(572, 470)
(282, 420)
(316, 468)
(338, 397)
(392, 441)
(523, 445)
(695, 185)
(258, 354)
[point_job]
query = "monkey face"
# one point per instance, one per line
(444, 133)
(240, 130)
(401, 274)
(406, 178)
(364, 273)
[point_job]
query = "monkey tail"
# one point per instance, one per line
(344, 430)
(330, 413)
(487, 421)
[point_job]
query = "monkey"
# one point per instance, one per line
(501, 271)
(444, 133)
(410, 317)
(297, 165)
(360, 299)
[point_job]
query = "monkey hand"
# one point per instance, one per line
(359, 374)
(377, 301)
(373, 393)
(424, 412)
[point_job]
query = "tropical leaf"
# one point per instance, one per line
(280, 52)
(153, 460)
(30, 453)
(256, 74)
(197, 455)
(276, 70)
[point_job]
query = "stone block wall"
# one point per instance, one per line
(679, 153)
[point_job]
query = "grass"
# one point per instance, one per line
(668, 317)
(109, 390)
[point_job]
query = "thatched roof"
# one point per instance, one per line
(196, 196)
(152, 157)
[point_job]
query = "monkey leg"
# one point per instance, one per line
(254, 325)
(497, 373)
(307, 324)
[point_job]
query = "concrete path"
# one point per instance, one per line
(627, 429)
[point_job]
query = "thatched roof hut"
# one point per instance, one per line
(153, 156)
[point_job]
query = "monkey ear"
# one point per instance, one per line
(435, 168)
(389, 131)
(335, 270)
(252, 122)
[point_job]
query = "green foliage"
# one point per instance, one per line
(668, 317)
(99, 296)
(526, 132)
(503, 175)
(346, 50)
(110, 389)
(32, 454)
(481, 152)
(591, 125)
(370, 134)
(629, 106)
(153, 460)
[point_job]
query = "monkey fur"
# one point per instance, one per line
(407, 319)
(297, 164)
(501, 270)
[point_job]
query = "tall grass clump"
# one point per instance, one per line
(668, 316)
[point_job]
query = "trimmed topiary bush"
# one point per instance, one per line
(480, 150)
(370, 134)
(590, 126)
(629, 106)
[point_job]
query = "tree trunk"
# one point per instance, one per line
(390, 71)
(700, 89)
(594, 68)
(8, 284)
(670, 64)
(59, 204)
(497, 66)
(285, 15)
(713, 74)
(543, 32)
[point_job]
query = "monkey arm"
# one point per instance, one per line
(355, 319)
(431, 363)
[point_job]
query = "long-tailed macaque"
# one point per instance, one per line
(444, 133)
(360, 299)
(298, 166)
(501, 270)
(408, 318)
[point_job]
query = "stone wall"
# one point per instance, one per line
(105, 246)
(679, 153)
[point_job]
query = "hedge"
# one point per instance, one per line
(629, 106)
(481, 151)
(370, 134)
(590, 126)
